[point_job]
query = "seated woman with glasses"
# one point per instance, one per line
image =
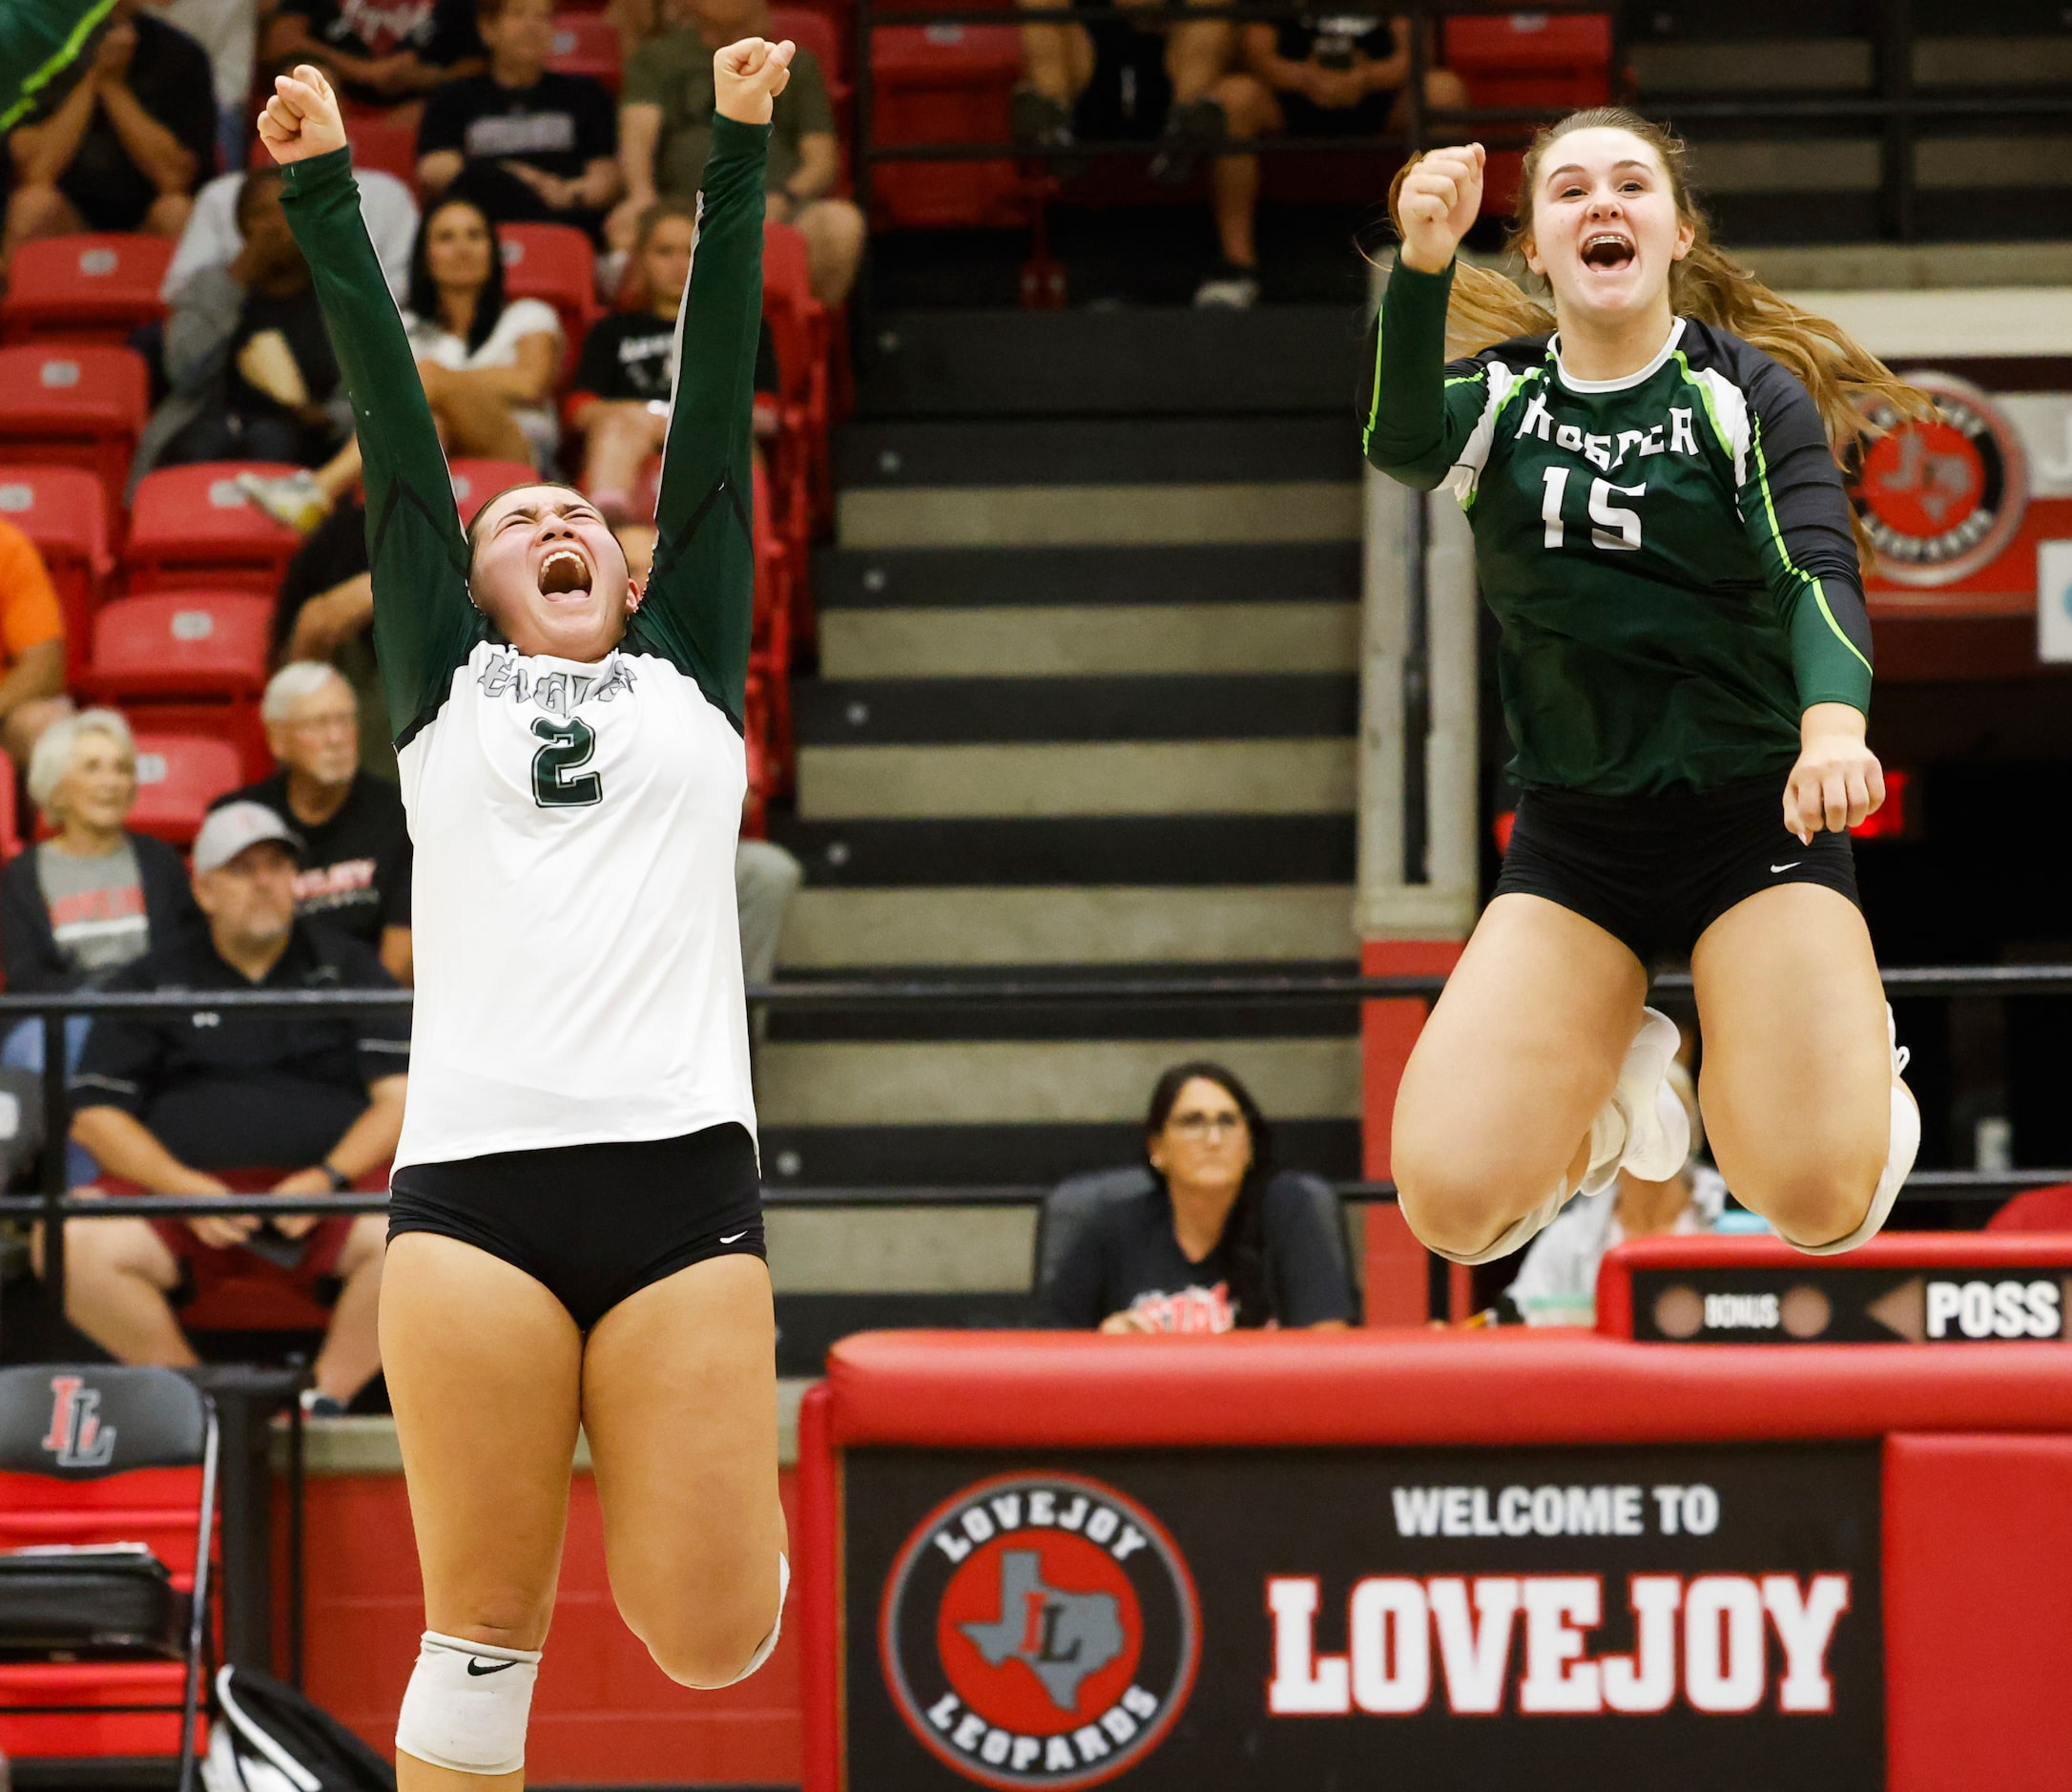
(1214, 1239)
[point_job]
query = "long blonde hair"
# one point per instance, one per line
(1847, 381)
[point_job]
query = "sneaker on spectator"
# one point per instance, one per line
(1232, 287)
(1190, 131)
(295, 498)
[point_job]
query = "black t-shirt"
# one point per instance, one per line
(627, 355)
(1127, 1256)
(237, 1089)
(439, 32)
(169, 74)
(356, 866)
(1336, 39)
(560, 124)
(298, 319)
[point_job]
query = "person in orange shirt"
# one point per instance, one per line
(32, 646)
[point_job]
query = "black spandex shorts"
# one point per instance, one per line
(1656, 871)
(1305, 117)
(593, 1223)
(1129, 94)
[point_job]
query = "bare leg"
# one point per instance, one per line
(1198, 55)
(169, 215)
(341, 473)
(679, 1400)
(40, 211)
(1521, 1051)
(117, 1275)
(352, 1348)
(834, 234)
(485, 1372)
(1797, 1070)
(1234, 181)
(620, 434)
(1058, 58)
(472, 422)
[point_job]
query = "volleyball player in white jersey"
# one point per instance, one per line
(576, 1231)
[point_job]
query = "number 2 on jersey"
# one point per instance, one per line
(558, 780)
(1603, 512)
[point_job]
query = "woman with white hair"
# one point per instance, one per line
(94, 897)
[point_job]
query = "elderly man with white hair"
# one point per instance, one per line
(356, 843)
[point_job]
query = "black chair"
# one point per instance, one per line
(1071, 1207)
(78, 1597)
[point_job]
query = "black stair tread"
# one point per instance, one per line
(808, 1326)
(1074, 1022)
(1132, 452)
(1121, 849)
(1129, 363)
(978, 577)
(953, 1157)
(945, 712)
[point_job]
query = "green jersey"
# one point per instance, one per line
(1669, 554)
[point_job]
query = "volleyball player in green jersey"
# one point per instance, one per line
(1661, 530)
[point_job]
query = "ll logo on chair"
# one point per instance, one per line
(77, 1437)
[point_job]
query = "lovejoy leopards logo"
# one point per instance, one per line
(1941, 496)
(1040, 1631)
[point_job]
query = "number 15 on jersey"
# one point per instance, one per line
(1616, 529)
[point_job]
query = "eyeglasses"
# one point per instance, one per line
(1201, 1125)
(344, 722)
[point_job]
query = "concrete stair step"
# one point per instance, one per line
(1079, 451)
(1139, 515)
(1044, 578)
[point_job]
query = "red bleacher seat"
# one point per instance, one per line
(2039, 1210)
(1554, 61)
(75, 405)
(816, 32)
(177, 777)
(11, 826)
(187, 662)
(91, 288)
(944, 84)
(476, 482)
(799, 333)
(554, 262)
(64, 512)
(194, 526)
(386, 140)
(586, 43)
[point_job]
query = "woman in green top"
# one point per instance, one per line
(575, 1231)
(1662, 529)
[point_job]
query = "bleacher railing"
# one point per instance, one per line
(54, 1204)
(1896, 105)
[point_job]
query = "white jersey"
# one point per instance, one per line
(579, 955)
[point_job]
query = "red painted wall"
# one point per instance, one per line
(604, 1714)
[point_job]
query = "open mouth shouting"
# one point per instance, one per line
(1608, 251)
(564, 571)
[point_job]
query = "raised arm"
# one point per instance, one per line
(424, 624)
(700, 598)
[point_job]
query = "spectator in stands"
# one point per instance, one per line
(666, 130)
(356, 844)
(212, 237)
(228, 34)
(1115, 80)
(326, 612)
(526, 144)
(628, 367)
(128, 145)
(1217, 1242)
(1310, 74)
(297, 1104)
(247, 355)
(94, 897)
(378, 54)
(1557, 1281)
(31, 647)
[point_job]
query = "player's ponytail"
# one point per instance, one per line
(1846, 381)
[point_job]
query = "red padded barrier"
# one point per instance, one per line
(1891, 1250)
(1513, 1387)
(1978, 1614)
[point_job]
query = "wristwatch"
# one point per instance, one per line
(339, 1180)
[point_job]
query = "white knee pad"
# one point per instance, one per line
(766, 1648)
(467, 1706)
(1906, 1141)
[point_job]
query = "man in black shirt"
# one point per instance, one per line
(208, 1100)
(380, 52)
(527, 145)
(356, 843)
(128, 145)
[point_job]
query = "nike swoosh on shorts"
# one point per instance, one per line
(1791, 866)
(735, 1237)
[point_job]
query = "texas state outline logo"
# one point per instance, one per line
(1040, 1631)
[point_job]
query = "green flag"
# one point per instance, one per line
(39, 40)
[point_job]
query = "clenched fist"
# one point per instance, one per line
(748, 76)
(1439, 200)
(301, 119)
